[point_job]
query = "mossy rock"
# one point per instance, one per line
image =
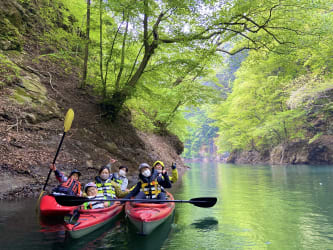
(111, 147)
(9, 72)
(2, 85)
(10, 38)
(33, 95)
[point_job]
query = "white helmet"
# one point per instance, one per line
(143, 165)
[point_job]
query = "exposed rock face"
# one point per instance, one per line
(33, 96)
(316, 148)
(300, 152)
(252, 157)
(321, 150)
(291, 153)
(318, 152)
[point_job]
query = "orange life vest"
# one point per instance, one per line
(73, 185)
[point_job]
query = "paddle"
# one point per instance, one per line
(65, 200)
(67, 125)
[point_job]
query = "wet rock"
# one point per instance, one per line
(33, 95)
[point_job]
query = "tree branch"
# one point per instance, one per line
(111, 52)
(121, 67)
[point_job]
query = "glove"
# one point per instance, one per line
(53, 167)
(173, 166)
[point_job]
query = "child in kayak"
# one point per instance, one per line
(158, 166)
(92, 193)
(120, 177)
(150, 184)
(69, 185)
(106, 186)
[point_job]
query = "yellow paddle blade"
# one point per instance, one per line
(68, 120)
(38, 201)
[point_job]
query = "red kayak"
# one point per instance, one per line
(49, 207)
(92, 219)
(148, 216)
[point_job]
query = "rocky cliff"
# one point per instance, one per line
(315, 148)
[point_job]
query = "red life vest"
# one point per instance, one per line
(73, 185)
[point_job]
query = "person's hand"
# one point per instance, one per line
(53, 167)
(173, 166)
(164, 171)
(106, 204)
(112, 160)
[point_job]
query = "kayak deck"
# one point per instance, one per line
(148, 216)
(49, 207)
(92, 219)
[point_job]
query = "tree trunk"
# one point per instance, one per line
(101, 46)
(86, 50)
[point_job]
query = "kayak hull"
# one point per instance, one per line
(49, 207)
(93, 219)
(146, 228)
(146, 217)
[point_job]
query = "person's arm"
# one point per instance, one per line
(60, 176)
(174, 176)
(119, 192)
(165, 181)
(134, 191)
(111, 161)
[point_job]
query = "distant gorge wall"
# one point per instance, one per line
(299, 152)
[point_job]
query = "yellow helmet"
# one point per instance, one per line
(158, 162)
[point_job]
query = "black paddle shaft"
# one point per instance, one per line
(54, 160)
(65, 200)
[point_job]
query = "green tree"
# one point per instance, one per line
(258, 113)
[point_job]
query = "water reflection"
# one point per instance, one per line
(206, 224)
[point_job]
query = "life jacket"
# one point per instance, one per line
(105, 188)
(116, 178)
(94, 204)
(119, 181)
(69, 187)
(151, 189)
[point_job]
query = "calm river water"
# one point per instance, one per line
(259, 207)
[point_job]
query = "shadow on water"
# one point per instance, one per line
(51, 223)
(206, 224)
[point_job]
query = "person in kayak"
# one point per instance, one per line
(150, 184)
(120, 177)
(92, 193)
(106, 186)
(69, 185)
(158, 166)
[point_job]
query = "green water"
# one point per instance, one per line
(259, 207)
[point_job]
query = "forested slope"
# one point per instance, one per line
(41, 58)
(281, 106)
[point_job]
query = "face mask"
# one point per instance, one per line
(122, 173)
(104, 176)
(159, 171)
(146, 173)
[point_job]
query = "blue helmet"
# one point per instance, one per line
(75, 171)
